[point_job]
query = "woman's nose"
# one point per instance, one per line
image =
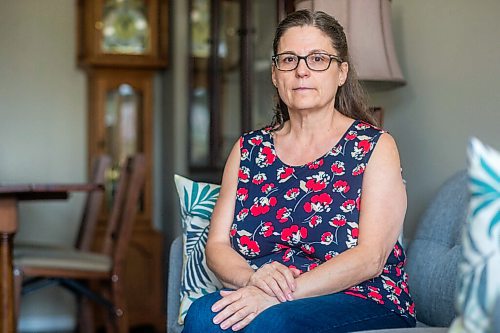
(302, 69)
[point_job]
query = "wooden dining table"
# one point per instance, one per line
(10, 196)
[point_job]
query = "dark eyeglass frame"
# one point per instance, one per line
(274, 58)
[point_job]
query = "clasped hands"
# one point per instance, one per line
(269, 285)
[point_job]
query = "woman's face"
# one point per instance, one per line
(303, 88)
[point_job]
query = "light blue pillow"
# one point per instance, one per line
(197, 201)
(479, 270)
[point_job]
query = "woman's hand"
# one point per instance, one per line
(275, 279)
(238, 308)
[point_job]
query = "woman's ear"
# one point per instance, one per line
(273, 76)
(344, 69)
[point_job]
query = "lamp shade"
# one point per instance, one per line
(367, 24)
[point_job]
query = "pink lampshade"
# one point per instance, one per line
(367, 24)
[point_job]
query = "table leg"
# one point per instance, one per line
(8, 227)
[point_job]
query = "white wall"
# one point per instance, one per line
(42, 127)
(449, 51)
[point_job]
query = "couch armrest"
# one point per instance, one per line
(174, 285)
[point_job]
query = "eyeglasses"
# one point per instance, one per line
(315, 61)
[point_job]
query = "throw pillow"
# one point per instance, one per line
(479, 286)
(197, 201)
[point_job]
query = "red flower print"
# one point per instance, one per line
(312, 266)
(341, 186)
(284, 173)
(319, 203)
(280, 247)
(359, 169)
(361, 148)
(358, 203)
(315, 220)
(338, 221)
(256, 140)
(248, 247)
(391, 286)
(335, 150)
(317, 182)
(411, 308)
(242, 214)
(327, 238)
(244, 174)
(397, 251)
(244, 154)
(316, 164)
(242, 194)
(259, 178)
(266, 156)
(266, 188)
(354, 232)
(375, 295)
(351, 135)
(362, 126)
(287, 255)
(283, 214)
(267, 229)
(308, 248)
(293, 234)
(338, 168)
(330, 254)
(233, 230)
(348, 206)
(262, 205)
(292, 193)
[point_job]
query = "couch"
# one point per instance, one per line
(432, 262)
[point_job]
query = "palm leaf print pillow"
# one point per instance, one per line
(197, 201)
(479, 270)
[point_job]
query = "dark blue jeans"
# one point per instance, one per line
(332, 313)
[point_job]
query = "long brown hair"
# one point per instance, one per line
(351, 98)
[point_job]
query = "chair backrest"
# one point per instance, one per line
(124, 209)
(93, 204)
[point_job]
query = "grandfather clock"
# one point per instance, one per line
(122, 44)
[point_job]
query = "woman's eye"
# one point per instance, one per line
(318, 58)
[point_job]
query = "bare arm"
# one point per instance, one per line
(383, 207)
(229, 267)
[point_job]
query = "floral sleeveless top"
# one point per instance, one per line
(302, 216)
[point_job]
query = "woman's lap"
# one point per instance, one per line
(333, 313)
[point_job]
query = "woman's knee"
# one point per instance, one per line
(199, 316)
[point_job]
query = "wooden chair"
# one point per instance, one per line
(76, 269)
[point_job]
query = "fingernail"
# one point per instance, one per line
(289, 297)
(223, 326)
(236, 327)
(216, 320)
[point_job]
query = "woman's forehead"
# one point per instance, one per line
(304, 39)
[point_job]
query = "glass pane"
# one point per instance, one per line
(229, 53)
(125, 27)
(199, 118)
(122, 121)
(265, 14)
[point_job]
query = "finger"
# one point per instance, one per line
(296, 272)
(244, 322)
(225, 301)
(227, 317)
(289, 278)
(262, 285)
(278, 290)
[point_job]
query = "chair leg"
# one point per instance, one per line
(86, 320)
(18, 285)
(119, 300)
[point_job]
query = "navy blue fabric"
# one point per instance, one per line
(334, 313)
(302, 216)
